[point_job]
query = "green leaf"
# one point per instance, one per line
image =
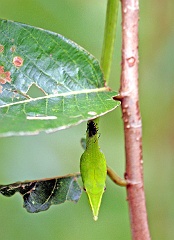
(69, 78)
(39, 195)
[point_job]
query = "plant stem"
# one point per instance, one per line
(109, 37)
(132, 120)
(115, 178)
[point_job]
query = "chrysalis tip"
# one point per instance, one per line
(95, 218)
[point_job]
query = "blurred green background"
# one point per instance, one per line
(58, 154)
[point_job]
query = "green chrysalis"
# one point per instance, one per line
(93, 168)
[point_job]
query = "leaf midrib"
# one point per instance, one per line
(96, 90)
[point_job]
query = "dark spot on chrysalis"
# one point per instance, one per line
(92, 128)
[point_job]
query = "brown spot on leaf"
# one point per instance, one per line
(4, 77)
(18, 61)
(1, 48)
(13, 49)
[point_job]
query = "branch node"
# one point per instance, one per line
(118, 98)
(133, 183)
(122, 95)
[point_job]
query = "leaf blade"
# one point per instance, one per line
(60, 68)
(39, 195)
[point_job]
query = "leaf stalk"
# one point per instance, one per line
(109, 37)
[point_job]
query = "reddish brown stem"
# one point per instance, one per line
(132, 120)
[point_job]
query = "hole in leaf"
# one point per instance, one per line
(35, 92)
